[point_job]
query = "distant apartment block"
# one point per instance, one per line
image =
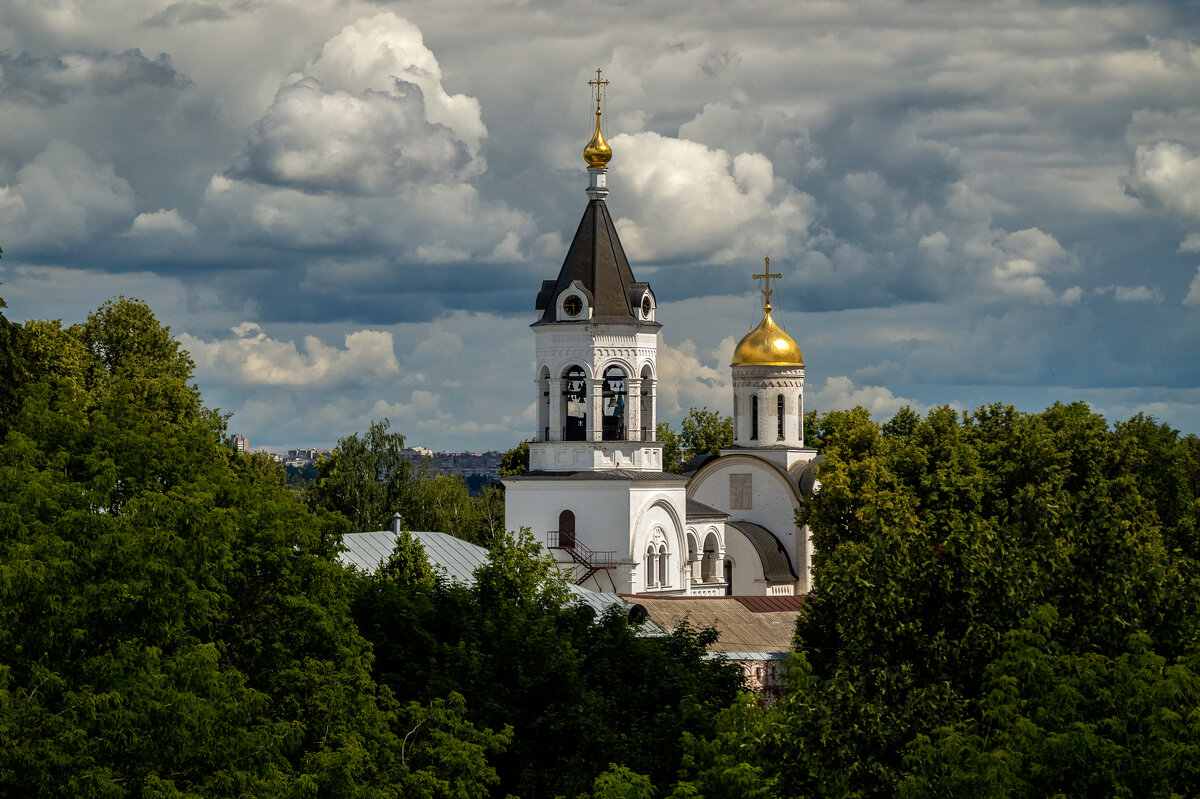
(239, 443)
(464, 464)
(303, 457)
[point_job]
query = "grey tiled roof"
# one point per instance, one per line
(698, 510)
(458, 560)
(741, 630)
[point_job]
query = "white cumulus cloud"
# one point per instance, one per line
(375, 53)
(253, 358)
(1192, 298)
(161, 222)
(320, 140)
(840, 393)
(691, 201)
(1168, 172)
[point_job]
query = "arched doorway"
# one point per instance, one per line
(566, 529)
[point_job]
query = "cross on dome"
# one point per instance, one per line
(766, 278)
(597, 152)
(598, 89)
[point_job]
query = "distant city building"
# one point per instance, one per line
(305, 455)
(239, 443)
(464, 464)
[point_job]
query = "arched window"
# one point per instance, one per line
(708, 561)
(728, 577)
(646, 418)
(779, 415)
(693, 556)
(663, 572)
(651, 557)
(574, 394)
(800, 416)
(754, 417)
(566, 529)
(613, 404)
(544, 405)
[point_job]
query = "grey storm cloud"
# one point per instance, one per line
(52, 80)
(189, 12)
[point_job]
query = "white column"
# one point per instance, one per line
(633, 409)
(650, 423)
(595, 407)
(556, 411)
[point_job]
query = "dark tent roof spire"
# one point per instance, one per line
(596, 258)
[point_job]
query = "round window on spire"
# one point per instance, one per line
(646, 306)
(572, 305)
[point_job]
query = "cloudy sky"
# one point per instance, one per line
(344, 209)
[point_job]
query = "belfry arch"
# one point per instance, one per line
(574, 404)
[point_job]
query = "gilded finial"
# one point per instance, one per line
(597, 152)
(766, 278)
(768, 344)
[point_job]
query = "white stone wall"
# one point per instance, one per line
(773, 504)
(767, 383)
(610, 516)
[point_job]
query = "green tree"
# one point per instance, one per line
(14, 367)
(1056, 722)
(579, 692)
(672, 451)
(364, 478)
(703, 432)
(935, 537)
(172, 619)
(515, 461)
(442, 503)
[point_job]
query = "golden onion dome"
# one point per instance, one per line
(768, 345)
(597, 153)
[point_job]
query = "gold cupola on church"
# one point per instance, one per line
(768, 344)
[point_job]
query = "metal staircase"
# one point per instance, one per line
(587, 560)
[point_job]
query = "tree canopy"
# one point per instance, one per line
(174, 620)
(1005, 605)
(368, 480)
(703, 432)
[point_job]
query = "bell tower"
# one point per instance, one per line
(595, 488)
(596, 344)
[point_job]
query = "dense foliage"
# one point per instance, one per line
(367, 480)
(702, 432)
(1006, 605)
(577, 692)
(174, 620)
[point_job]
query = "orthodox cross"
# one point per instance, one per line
(766, 278)
(599, 89)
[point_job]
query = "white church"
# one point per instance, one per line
(596, 494)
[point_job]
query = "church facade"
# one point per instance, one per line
(596, 493)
